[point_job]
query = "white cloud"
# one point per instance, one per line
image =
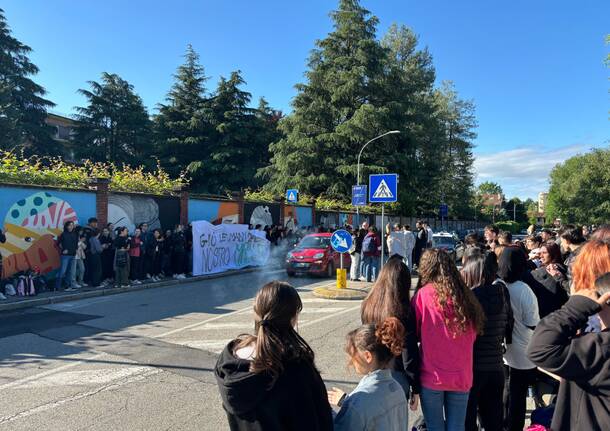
(523, 172)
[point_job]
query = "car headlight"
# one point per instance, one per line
(289, 255)
(318, 255)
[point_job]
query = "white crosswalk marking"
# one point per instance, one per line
(322, 310)
(101, 376)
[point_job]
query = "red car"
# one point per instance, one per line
(314, 255)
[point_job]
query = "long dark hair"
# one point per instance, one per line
(276, 306)
(480, 267)
(553, 250)
(437, 267)
(385, 341)
(389, 296)
(512, 264)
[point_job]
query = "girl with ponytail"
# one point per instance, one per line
(268, 381)
(378, 402)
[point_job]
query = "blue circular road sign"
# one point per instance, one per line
(341, 241)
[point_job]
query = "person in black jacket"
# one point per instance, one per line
(179, 252)
(582, 362)
(269, 381)
(67, 243)
(389, 297)
(549, 282)
(2, 241)
(107, 244)
(486, 394)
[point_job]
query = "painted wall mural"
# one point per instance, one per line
(215, 212)
(159, 212)
(32, 220)
(265, 214)
(297, 216)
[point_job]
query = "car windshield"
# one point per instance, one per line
(442, 240)
(315, 242)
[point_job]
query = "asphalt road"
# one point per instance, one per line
(143, 360)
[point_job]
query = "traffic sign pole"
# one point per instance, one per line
(382, 238)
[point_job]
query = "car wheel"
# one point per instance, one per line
(330, 270)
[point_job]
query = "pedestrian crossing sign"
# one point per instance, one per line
(292, 196)
(383, 188)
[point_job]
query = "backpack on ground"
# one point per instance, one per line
(369, 245)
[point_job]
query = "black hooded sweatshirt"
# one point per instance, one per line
(583, 362)
(297, 401)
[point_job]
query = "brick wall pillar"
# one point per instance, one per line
(312, 202)
(239, 198)
(101, 200)
(282, 203)
(184, 206)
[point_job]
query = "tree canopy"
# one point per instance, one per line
(23, 107)
(580, 189)
(358, 87)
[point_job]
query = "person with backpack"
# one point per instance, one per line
(67, 242)
(371, 253)
(95, 257)
(448, 318)
(269, 381)
(378, 402)
(486, 394)
(121, 257)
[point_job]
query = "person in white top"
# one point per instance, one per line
(396, 242)
(512, 266)
(409, 246)
(430, 233)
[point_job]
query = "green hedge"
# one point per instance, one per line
(56, 172)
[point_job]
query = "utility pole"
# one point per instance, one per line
(514, 211)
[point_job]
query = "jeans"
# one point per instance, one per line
(354, 271)
(486, 398)
(408, 260)
(515, 396)
(444, 410)
(371, 267)
(65, 270)
(78, 272)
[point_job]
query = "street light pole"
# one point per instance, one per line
(391, 132)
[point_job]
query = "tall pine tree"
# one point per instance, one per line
(184, 123)
(23, 108)
(114, 126)
(335, 112)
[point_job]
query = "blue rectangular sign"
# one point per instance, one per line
(292, 196)
(359, 196)
(383, 188)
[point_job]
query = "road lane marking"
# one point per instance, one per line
(321, 310)
(321, 319)
(54, 404)
(99, 376)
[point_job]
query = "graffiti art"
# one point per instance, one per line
(130, 211)
(30, 226)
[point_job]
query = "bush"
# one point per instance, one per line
(53, 171)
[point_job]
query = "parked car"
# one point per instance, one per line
(314, 255)
(450, 243)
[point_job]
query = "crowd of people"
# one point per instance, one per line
(113, 256)
(399, 241)
(466, 346)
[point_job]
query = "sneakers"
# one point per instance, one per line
(75, 286)
(136, 282)
(70, 289)
(148, 276)
(2, 297)
(181, 276)
(84, 285)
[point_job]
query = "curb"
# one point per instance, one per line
(342, 294)
(37, 302)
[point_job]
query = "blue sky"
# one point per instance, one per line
(533, 68)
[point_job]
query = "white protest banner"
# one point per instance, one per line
(227, 246)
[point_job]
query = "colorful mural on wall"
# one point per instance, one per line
(215, 212)
(159, 212)
(32, 221)
(265, 214)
